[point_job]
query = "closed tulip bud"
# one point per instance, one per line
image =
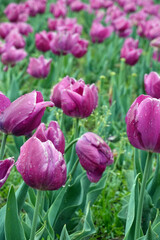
(39, 67)
(143, 123)
(5, 168)
(42, 41)
(152, 84)
(41, 165)
(94, 155)
(58, 88)
(24, 114)
(53, 133)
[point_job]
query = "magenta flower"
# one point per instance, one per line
(24, 114)
(53, 133)
(39, 67)
(156, 56)
(5, 168)
(79, 100)
(130, 51)
(122, 26)
(16, 12)
(99, 33)
(11, 55)
(58, 9)
(143, 123)
(77, 6)
(41, 165)
(58, 88)
(152, 84)
(63, 42)
(155, 42)
(24, 28)
(94, 155)
(80, 48)
(5, 29)
(42, 41)
(15, 39)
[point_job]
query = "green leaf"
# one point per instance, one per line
(85, 227)
(151, 235)
(64, 234)
(133, 203)
(40, 231)
(13, 226)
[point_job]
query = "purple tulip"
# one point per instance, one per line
(24, 28)
(79, 100)
(156, 56)
(94, 155)
(39, 67)
(152, 84)
(16, 39)
(58, 88)
(42, 41)
(58, 9)
(122, 26)
(80, 48)
(99, 33)
(53, 133)
(5, 168)
(11, 55)
(41, 165)
(5, 29)
(24, 114)
(77, 6)
(4, 102)
(143, 123)
(113, 13)
(16, 12)
(63, 42)
(155, 42)
(130, 51)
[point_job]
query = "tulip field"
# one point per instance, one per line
(79, 120)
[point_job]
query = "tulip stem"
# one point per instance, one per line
(4, 138)
(141, 197)
(35, 216)
(70, 144)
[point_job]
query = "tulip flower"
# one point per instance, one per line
(39, 67)
(53, 133)
(24, 28)
(152, 84)
(94, 155)
(130, 51)
(143, 123)
(58, 9)
(41, 165)
(42, 41)
(11, 55)
(5, 168)
(58, 88)
(79, 100)
(5, 29)
(80, 48)
(77, 6)
(99, 33)
(122, 26)
(24, 114)
(16, 39)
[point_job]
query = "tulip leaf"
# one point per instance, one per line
(27, 229)
(40, 232)
(13, 92)
(150, 235)
(29, 210)
(13, 226)
(85, 227)
(64, 234)
(131, 215)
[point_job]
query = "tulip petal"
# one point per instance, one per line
(5, 168)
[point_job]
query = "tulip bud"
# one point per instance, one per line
(143, 123)
(80, 48)
(24, 114)
(94, 155)
(16, 39)
(39, 67)
(53, 133)
(42, 41)
(41, 165)
(99, 33)
(152, 84)
(5, 168)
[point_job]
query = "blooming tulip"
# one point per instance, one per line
(24, 114)
(58, 9)
(5, 29)
(41, 165)
(24, 28)
(39, 67)
(16, 39)
(80, 48)
(5, 168)
(143, 123)
(99, 33)
(42, 41)
(53, 133)
(152, 84)
(94, 155)
(11, 55)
